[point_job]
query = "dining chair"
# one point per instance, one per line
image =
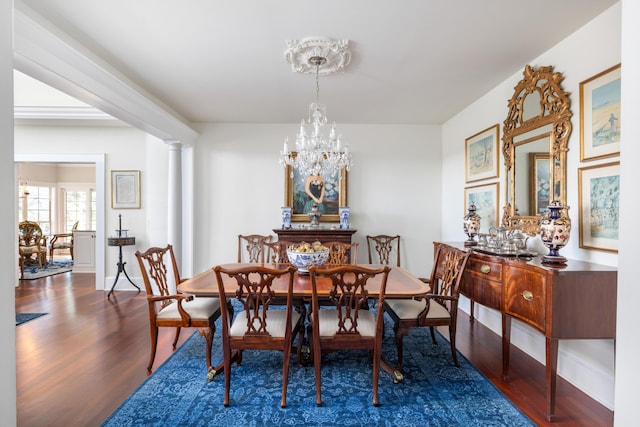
(342, 253)
(61, 241)
(383, 249)
(277, 252)
(257, 326)
(251, 247)
(439, 307)
(348, 324)
(167, 308)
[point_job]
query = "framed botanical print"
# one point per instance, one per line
(125, 189)
(539, 182)
(328, 192)
(485, 197)
(481, 155)
(600, 115)
(599, 200)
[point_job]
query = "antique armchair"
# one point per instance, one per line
(439, 307)
(257, 326)
(251, 247)
(169, 309)
(342, 253)
(384, 249)
(349, 324)
(63, 241)
(32, 245)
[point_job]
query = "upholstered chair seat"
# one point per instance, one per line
(411, 309)
(198, 308)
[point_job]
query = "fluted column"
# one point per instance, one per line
(174, 213)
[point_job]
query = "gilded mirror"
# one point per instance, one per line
(535, 144)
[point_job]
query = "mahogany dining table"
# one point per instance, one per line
(400, 284)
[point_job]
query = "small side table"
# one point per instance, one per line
(120, 242)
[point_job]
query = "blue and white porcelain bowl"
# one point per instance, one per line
(304, 260)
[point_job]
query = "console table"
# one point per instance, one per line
(575, 301)
(311, 234)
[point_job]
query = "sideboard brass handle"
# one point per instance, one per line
(485, 269)
(528, 295)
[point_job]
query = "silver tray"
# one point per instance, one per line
(501, 252)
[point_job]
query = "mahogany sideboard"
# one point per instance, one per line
(574, 301)
(310, 234)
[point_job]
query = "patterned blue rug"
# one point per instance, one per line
(25, 317)
(50, 269)
(433, 393)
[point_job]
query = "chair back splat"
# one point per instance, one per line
(342, 253)
(170, 309)
(384, 249)
(252, 247)
(348, 324)
(256, 326)
(439, 307)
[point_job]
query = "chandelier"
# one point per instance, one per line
(316, 153)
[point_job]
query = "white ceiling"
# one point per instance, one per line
(413, 61)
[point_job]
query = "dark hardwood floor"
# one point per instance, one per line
(79, 362)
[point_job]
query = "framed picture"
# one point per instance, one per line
(301, 193)
(599, 200)
(125, 189)
(539, 184)
(481, 155)
(600, 115)
(485, 197)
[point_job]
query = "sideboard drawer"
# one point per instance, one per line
(482, 282)
(485, 269)
(525, 296)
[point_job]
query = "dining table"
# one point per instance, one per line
(400, 284)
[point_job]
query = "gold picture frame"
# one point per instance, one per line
(485, 198)
(295, 196)
(599, 201)
(125, 189)
(481, 155)
(539, 184)
(600, 115)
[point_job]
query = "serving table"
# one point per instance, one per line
(572, 301)
(400, 284)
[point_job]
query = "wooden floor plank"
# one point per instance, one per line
(78, 363)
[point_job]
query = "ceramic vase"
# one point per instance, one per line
(344, 217)
(286, 217)
(471, 225)
(555, 230)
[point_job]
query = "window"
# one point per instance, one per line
(79, 205)
(34, 204)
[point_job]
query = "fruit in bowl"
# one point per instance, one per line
(304, 255)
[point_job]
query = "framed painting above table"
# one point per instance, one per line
(301, 193)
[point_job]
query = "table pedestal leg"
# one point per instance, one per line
(121, 270)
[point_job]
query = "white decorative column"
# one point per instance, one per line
(174, 213)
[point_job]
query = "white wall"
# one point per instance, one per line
(628, 345)
(587, 364)
(393, 187)
(8, 223)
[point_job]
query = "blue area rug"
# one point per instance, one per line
(51, 268)
(25, 317)
(433, 393)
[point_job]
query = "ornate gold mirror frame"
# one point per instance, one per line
(539, 109)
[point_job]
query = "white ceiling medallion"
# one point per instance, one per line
(300, 53)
